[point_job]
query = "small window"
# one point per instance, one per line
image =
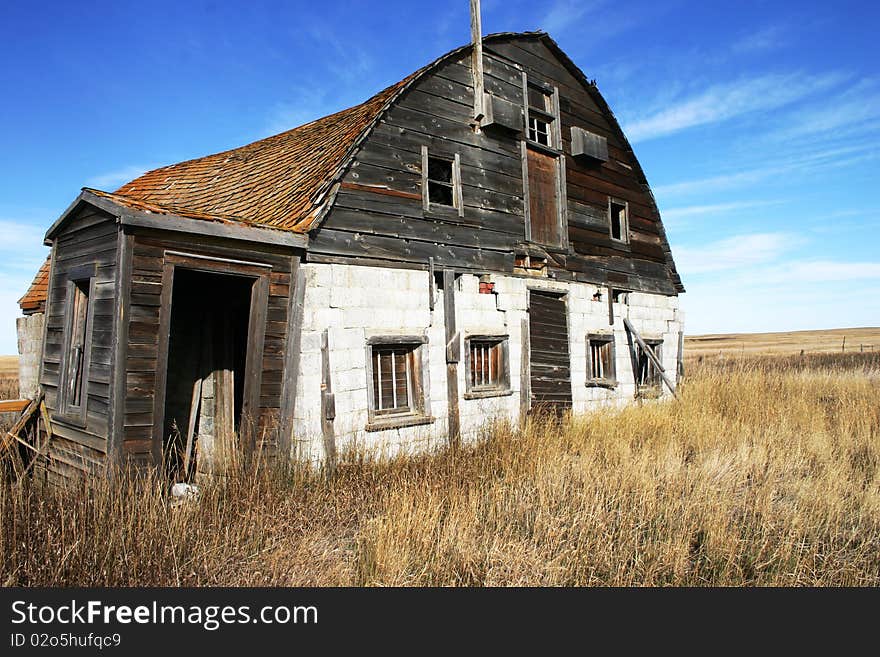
(540, 116)
(441, 181)
(600, 358)
(487, 366)
(648, 373)
(396, 366)
(393, 379)
(76, 358)
(618, 217)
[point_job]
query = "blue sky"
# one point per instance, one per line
(757, 123)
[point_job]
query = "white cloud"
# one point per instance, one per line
(811, 162)
(762, 40)
(734, 252)
(563, 13)
(112, 180)
(681, 215)
(855, 110)
(722, 102)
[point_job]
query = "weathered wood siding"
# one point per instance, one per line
(378, 212)
(142, 362)
(89, 239)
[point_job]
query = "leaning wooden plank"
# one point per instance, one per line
(650, 354)
(191, 427)
(32, 407)
(13, 405)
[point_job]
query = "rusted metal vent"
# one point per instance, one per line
(588, 145)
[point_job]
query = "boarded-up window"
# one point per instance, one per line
(394, 370)
(648, 373)
(601, 358)
(543, 198)
(487, 364)
(76, 348)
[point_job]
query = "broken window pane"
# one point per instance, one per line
(441, 182)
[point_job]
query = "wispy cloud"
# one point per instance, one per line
(735, 252)
(111, 180)
(681, 215)
(564, 13)
(722, 102)
(853, 111)
(761, 40)
(809, 163)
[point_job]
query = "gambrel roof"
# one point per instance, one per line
(288, 181)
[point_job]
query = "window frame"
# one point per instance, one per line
(624, 225)
(550, 116)
(82, 281)
(417, 387)
(656, 385)
(604, 381)
(502, 387)
(457, 200)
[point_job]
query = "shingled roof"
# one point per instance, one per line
(34, 299)
(272, 182)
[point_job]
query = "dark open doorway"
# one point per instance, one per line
(205, 383)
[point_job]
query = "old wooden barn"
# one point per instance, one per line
(468, 244)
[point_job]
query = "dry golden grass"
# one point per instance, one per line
(8, 390)
(792, 342)
(8, 366)
(767, 472)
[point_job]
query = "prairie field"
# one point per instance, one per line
(844, 341)
(766, 472)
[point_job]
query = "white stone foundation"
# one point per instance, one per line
(30, 353)
(355, 303)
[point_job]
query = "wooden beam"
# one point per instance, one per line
(650, 353)
(525, 395)
(610, 306)
(452, 357)
(233, 231)
(477, 58)
(328, 404)
(14, 405)
(431, 283)
(296, 306)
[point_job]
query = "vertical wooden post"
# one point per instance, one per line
(296, 304)
(431, 283)
(477, 39)
(681, 355)
(452, 356)
(328, 404)
(525, 387)
(610, 306)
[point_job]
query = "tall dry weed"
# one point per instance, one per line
(767, 472)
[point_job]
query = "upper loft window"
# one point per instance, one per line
(441, 181)
(618, 219)
(76, 345)
(541, 115)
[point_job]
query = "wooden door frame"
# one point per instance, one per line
(259, 273)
